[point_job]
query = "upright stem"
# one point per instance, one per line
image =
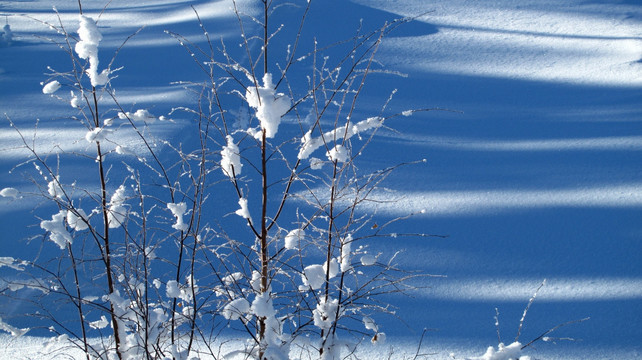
(264, 248)
(264, 185)
(329, 247)
(79, 299)
(265, 36)
(330, 226)
(105, 211)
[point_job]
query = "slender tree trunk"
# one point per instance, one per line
(264, 185)
(106, 245)
(81, 315)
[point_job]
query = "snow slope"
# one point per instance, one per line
(537, 175)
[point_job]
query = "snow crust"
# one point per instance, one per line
(510, 352)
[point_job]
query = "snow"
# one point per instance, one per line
(262, 305)
(346, 254)
(138, 115)
(172, 289)
(54, 189)
(117, 211)
(313, 276)
(294, 238)
(537, 177)
(270, 106)
(10, 192)
(510, 352)
(334, 268)
(97, 135)
(99, 324)
(76, 101)
(369, 324)
(12, 330)
(57, 231)
(11, 262)
(244, 211)
(309, 143)
(87, 48)
(339, 154)
(368, 260)
(178, 210)
(231, 158)
(325, 313)
(235, 309)
(232, 278)
(77, 219)
(51, 87)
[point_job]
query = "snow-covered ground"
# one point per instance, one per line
(537, 174)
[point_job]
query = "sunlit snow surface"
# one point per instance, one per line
(536, 176)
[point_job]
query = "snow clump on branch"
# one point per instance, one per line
(310, 144)
(231, 159)
(117, 212)
(178, 210)
(344, 260)
(293, 238)
(51, 87)
(10, 192)
(56, 228)
(235, 309)
(244, 212)
(87, 49)
(77, 220)
(269, 105)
